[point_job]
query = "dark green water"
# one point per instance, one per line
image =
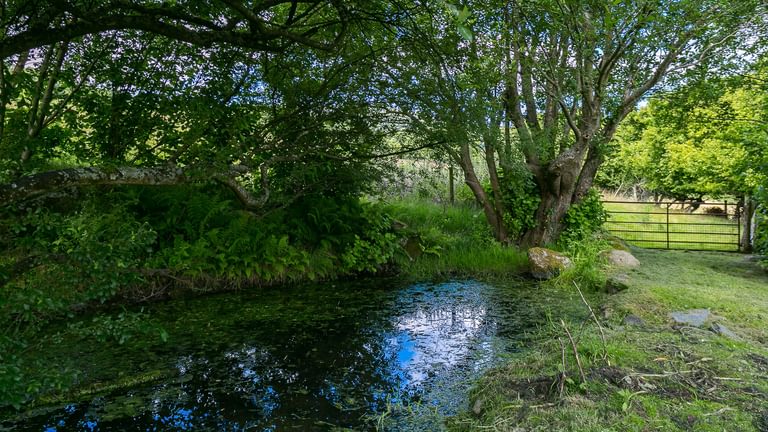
(322, 357)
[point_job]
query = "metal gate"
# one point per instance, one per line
(712, 226)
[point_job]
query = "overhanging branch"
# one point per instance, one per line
(39, 184)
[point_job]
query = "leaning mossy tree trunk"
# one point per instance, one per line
(36, 185)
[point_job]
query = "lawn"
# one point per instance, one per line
(650, 226)
(653, 376)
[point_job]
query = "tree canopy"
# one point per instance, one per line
(293, 96)
(707, 139)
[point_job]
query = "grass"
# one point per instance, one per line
(655, 377)
(451, 240)
(687, 230)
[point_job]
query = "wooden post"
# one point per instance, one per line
(746, 237)
(667, 227)
(737, 216)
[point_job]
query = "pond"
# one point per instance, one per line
(361, 355)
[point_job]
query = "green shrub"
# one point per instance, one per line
(103, 248)
(521, 200)
(588, 270)
(583, 219)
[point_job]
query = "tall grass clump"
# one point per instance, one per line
(450, 240)
(589, 264)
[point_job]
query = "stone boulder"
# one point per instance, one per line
(724, 331)
(692, 317)
(622, 259)
(412, 246)
(617, 243)
(634, 321)
(617, 283)
(546, 263)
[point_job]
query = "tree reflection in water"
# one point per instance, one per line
(311, 358)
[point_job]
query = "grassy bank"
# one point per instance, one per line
(444, 240)
(650, 377)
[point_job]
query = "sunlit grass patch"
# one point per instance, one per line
(655, 377)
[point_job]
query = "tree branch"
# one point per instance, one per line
(40, 184)
(174, 23)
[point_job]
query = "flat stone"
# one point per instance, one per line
(606, 312)
(724, 331)
(622, 259)
(634, 320)
(692, 317)
(617, 283)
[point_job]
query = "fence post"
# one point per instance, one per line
(667, 227)
(739, 215)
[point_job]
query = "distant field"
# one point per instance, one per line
(645, 225)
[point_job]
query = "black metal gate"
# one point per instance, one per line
(712, 226)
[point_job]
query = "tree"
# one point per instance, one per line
(562, 75)
(707, 138)
(443, 86)
(243, 95)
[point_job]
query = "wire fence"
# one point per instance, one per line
(672, 225)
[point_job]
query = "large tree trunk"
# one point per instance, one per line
(558, 191)
(491, 214)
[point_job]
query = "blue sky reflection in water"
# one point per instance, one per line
(305, 358)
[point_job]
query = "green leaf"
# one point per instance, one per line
(463, 15)
(465, 32)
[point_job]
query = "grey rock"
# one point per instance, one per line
(622, 259)
(477, 408)
(546, 263)
(606, 312)
(617, 243)
(724, 331)
(617, 283)
(634, 320)
(692, 317)
(398, 225)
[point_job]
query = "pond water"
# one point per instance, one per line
(362, 355)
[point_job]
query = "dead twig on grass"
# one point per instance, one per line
(597, 322)
(575, 351)
(563, 376)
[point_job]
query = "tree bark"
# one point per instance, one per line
(557, 188)
(471, 179)
(746, 219)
